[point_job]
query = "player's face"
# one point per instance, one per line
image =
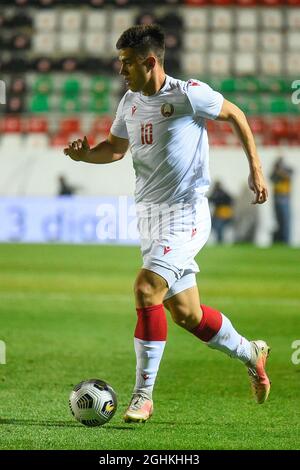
(134, 68)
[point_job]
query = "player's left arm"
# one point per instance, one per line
(235, 116)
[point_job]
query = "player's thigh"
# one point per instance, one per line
(185, 304)
(149, 282)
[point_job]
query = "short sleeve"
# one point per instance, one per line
(205, 101)
(118, 127)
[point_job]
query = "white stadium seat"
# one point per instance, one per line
(271, 18)
(221, 41)
(70, 21)
(219, 63)
(95, 43)
(293, 64)
(45, 20)
(246, 41)
(271, 41)
(271, 63)
(44, 43)
(69, 42)
(195, 19)
(293, 18)
(122, 19)
(193, 64)
(96, 20)
(245, 64)
(195, 41)
(222, 18)
(293, 41)
(246, 18)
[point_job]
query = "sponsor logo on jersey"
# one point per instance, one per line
(167, 249)
(192, 83)
(167, 109)
(145, 376)
(194, 231)
(133, 110)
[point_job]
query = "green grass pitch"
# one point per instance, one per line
(67, 314)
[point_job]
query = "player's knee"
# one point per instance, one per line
(145, 292)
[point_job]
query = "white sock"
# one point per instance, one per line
(231, 342)
(148, 356)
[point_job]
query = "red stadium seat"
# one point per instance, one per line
(293, 3)
(59, 140)
(12, 124)
(102, 125)
(69, 126)
(272, 3)
(37, 125)
(258, 125)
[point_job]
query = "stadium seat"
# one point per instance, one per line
(246, 41)
(122, 19)
(195, 19)
(221, 41)
(71, 87)
(100, 85)
(70, 104)
(195, 42)
(246, 19)
(271, 41)
(69, 42)
(95, 43)
(219, 63)
(293, 41)
(45, 20)
(271, 18)
(222, 19)
(96, 21)
(271, 63)
(15, 104)
(70, 20)
(99, 104)
(37, 125)
(44, 43)
(244, 63)
(193, 63)
(12, 124)
(101, 125)
(69, 126)
(39, 103)
(43, 85)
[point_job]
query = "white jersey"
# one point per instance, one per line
(168, 139)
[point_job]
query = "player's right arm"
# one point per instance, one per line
(110, 150)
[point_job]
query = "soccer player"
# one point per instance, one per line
(162, 120)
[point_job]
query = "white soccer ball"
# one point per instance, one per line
(93, 402)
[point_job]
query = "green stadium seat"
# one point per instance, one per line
(247, 84)
(71, 87)
(43, 85)
(39, 103)
(100, 86)
(70, 104)
(279, 105)
(228, 85)
(99, 104)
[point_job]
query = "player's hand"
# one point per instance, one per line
(78, 150)
(258, 185)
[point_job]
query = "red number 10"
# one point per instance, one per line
(147, 134)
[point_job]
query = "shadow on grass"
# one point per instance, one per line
(60, 424)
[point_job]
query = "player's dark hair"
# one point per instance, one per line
(144, 39)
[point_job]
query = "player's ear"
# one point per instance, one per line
(150, 62)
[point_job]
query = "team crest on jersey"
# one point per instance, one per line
(167, 109)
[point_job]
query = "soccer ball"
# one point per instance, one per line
(93, 402)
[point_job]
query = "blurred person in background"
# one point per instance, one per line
(223, 210)
(281, 177)
(65, 188)
(163, 120)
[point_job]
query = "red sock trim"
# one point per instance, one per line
(209, 325)
(151, 324)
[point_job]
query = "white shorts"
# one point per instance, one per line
(170, 243)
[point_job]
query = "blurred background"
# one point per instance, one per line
(59, 82)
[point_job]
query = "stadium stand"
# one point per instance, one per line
(59, 62)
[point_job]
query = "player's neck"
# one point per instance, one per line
(155, 84)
